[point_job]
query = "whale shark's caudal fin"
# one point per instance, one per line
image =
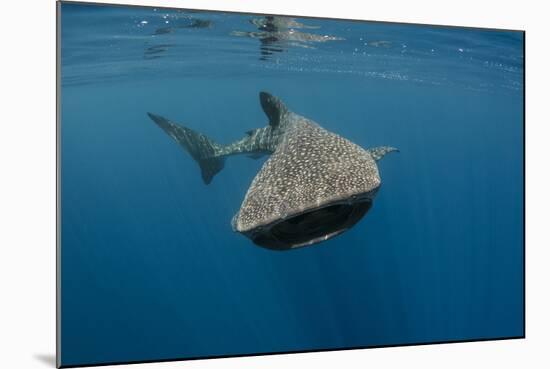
(200, 147)
(378, 153)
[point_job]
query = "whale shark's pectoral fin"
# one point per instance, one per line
(273, 107)
(378, 153)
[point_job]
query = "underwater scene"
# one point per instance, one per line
(240, 184)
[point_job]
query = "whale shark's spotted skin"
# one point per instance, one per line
(256, 143)
(311, 167)
(315, 185)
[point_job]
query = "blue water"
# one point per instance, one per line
(151, 268)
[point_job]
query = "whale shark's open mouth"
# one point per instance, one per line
(310, 227)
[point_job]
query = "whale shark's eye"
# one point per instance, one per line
(312, 226)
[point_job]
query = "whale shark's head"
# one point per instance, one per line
(315, 186)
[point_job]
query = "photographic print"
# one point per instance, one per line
(242, 184)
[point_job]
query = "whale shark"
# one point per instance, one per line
(314, 185)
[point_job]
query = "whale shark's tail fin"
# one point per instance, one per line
(378, 153)
(200, 147)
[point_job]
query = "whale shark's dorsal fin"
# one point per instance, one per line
(273, 108)
(378, 153)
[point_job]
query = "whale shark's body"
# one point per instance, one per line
(314, 186)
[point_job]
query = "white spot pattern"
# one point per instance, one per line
(310, 168)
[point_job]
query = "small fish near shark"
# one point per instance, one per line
(314, 186)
